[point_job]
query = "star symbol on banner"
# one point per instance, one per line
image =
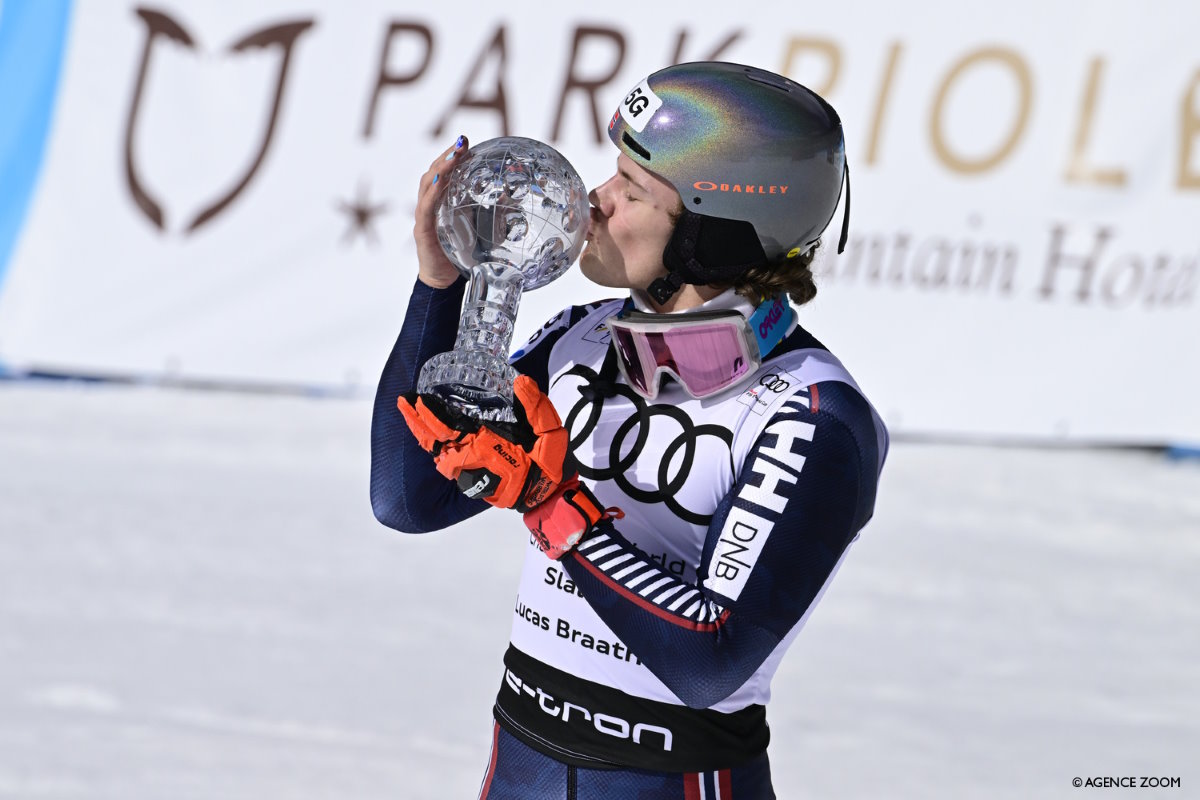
(362, 213)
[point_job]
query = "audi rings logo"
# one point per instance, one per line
(773, 383)
(684, 446)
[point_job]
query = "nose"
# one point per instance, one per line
(601, 197)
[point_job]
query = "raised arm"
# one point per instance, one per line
(407, 493)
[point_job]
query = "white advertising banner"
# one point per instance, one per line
(225, 191)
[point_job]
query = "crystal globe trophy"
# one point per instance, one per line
(513, 217)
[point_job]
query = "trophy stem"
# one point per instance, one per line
(475, 377)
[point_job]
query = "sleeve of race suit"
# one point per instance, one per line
(407, 492)
(805, 489)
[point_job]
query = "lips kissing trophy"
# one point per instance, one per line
(513, 217)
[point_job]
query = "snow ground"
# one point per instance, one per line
(195, 602)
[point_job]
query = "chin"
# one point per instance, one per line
(592, 268)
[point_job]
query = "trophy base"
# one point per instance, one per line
(475, 383)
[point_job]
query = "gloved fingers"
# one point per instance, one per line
(454, 457)
(450, 461)
(550, 453)
(416, 423)
(539, 412)
(426, 424)
(446, 417)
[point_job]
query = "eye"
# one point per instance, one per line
(630, 197)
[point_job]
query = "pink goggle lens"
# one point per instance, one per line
(705, 357)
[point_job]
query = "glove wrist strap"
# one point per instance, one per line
(567, 517)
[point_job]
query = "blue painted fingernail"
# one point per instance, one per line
(435, 177)
(459, 143)
(453, 153)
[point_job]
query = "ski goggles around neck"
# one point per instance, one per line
(705, 351)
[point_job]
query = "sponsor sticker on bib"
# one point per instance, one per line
(766, 390)
(599, 334)
(639, 106)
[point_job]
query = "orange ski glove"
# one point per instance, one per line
(510, 465)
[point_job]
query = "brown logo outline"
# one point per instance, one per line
(159, 24)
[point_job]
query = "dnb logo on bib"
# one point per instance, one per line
(639, 106)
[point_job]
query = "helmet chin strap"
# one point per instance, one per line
(664, 288)
(706, 250)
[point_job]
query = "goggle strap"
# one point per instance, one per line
(770, 322)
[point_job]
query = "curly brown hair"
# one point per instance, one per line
(791, 274)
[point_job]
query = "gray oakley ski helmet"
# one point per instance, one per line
(739, 144)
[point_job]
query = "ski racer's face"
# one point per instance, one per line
(633, 216)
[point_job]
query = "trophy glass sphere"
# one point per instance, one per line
(513, 216)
